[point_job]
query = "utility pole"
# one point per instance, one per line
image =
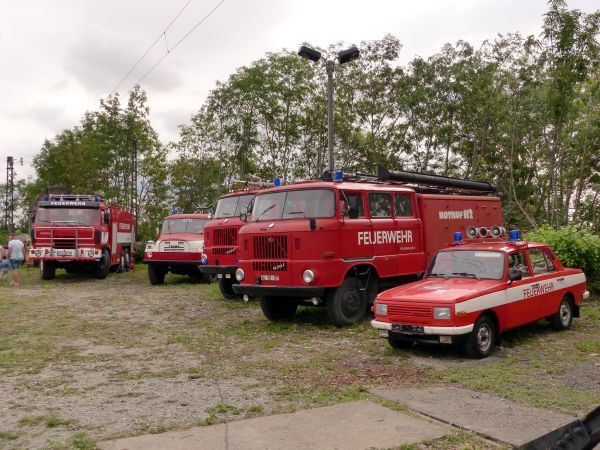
(329, 69)
(9, 200)
(134, 177)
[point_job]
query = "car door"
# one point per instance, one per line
(383, 231)
(354, 225)
(547, 291)
(408, 249)
(520, 308)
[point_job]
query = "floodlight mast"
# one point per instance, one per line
(344, 57)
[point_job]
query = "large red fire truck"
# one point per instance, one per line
(178, 248)
(73, 232)
(336, 243)
(221, 256)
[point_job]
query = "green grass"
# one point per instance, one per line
(8, 435)
(49, 421)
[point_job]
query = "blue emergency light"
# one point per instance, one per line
(457, 236)
(45, 198)
(277, 182)
(514, 236)
(96, 198)
(174, 211)
(338, 176)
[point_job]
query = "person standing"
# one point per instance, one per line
(15, 258)
(3, 263)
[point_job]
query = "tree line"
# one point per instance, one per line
(520, 112)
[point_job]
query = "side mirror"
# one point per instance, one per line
(312, 223)
(353, 213)
(515, 275)
(106, 218)
(243, 216)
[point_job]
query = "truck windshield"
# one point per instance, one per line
(79, 216)
(479, 264)
(296, 204)
(232, 206)
(183, 225)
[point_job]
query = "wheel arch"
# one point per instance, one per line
(493, 316)
(571, 297)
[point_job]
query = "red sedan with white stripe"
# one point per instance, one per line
(475, 290)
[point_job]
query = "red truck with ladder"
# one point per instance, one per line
(221, 254)
(74, 232)
(336, 243)
(178, 248)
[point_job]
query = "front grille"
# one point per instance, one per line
(425, 312)
(270, 266)
(225, 236)
(270, 247)
(173, 247)
(224, 250)
(64, 243)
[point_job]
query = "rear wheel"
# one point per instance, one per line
(156, 275)
(564, 316)
(103, 266)
(346, 305)
(480, 342)
(277, 308)
(226, 288)
(47, 270)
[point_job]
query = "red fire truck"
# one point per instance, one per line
(220, 256)
(73, 232)
(336, 243)
(178, 248)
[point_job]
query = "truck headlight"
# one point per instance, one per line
(308, 276)
(239, 275)
(441, 313)
(204, 259)
(381, 309)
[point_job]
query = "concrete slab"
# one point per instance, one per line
(485, 414)
(355, 425)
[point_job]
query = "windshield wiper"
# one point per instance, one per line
(296, 212)
(466, 274)
(266, 210)
(436, 275)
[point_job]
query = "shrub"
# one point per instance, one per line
(575, 248)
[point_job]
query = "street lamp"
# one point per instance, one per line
(343, 57)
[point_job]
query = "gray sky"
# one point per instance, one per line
(58, 58)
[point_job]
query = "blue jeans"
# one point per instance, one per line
(14, 264)
(3, 264)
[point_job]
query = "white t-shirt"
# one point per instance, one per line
(16, 249)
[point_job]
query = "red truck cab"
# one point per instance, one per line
(178, 248)
(475, 290)
(337, 243)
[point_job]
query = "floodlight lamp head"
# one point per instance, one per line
(309, 53)
(348, 55)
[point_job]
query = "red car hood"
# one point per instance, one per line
(181, 237)
(440, 289)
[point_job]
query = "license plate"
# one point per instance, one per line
(63, 252)
(269, 277)
(406, 328)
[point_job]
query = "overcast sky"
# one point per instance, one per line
(58, 58)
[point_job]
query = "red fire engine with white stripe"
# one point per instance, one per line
(476, 289)
(337, 242)
(75, 232)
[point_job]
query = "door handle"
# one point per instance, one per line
(560, 279)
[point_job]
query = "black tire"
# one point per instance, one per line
(156, 275)
(226, 288)
(563, 318)
(397, 343)
(346, 305)
(103, 266)
(47, 270)
(276, 308)
(480, 342)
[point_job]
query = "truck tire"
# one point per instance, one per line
(47, 270)
(564, 316)
(277, 308)
(103, 266)
(480, 342)
(225, 286)
(346, 304)
(156, 275)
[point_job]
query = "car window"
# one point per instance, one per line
(551, 266)
(380, 205)
(355, 202)
(517, 261)
(402, 205)
(538, 261)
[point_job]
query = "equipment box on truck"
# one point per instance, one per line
(337, 243)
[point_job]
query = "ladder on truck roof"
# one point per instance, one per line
(74, 197)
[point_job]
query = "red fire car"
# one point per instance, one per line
(476, 289)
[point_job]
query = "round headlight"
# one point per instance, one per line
(239, 275)
(308, 276)
(204, 259)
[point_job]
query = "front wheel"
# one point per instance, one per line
(346, 305)
(226, 288)
(103, 266)
(47, 270)
(275, 308)
(156, 275)
(564, 316)
(480, 342)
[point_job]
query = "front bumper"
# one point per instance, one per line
(218, 270)
(279, 291)
(436, 331)
(173, 263)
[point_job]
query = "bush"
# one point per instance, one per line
(575, 248)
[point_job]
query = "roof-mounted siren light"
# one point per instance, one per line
(496, 231)
(338, 176)
(46, 198)
(514, 236)
(277, 182)
(471, 232)
(483, 232)
(458, 237)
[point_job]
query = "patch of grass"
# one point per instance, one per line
(458, 440)
(49, 421)
(8, 435)
(255, 410)
(592, 346)
(127, 375)
(81, 441)
(316, 397)
(391, 404)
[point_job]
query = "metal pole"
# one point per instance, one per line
(134, 193)
(10, 195)
(329, 68)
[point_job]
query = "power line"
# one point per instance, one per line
(151, 47)
(180, 41)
